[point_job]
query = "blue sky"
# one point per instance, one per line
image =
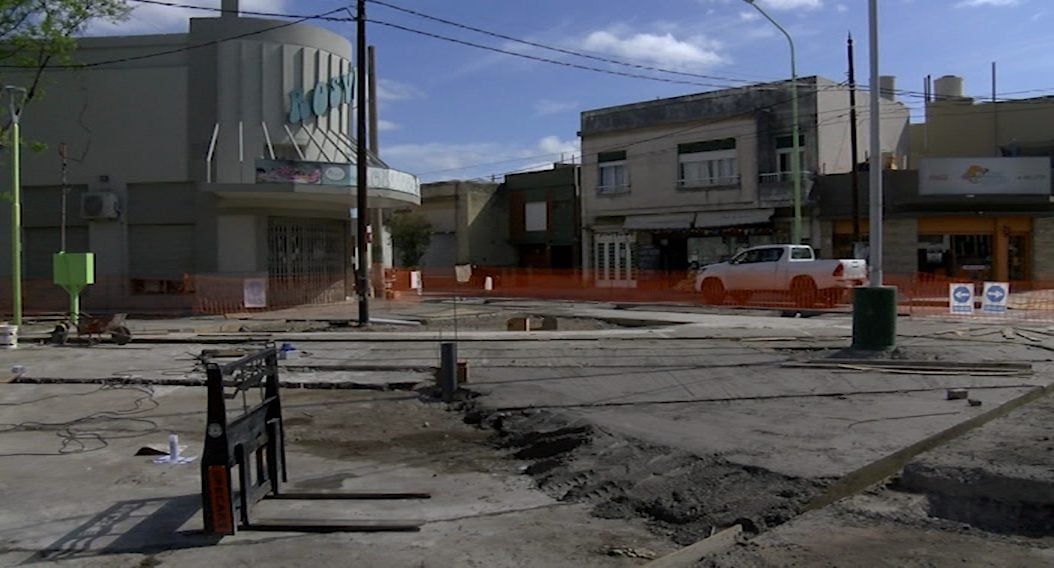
(450, 111)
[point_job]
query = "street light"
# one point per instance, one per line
(16, 203)
(795, 157)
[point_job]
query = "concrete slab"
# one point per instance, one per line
(75, 492)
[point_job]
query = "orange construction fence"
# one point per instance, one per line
(918, 294)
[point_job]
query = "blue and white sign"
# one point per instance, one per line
(995, 296)
(960, 298)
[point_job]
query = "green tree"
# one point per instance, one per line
(411, 235)
(37, 34)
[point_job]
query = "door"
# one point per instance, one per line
(1018, 257)
(614, 261)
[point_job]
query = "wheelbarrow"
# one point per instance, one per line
(93, 327)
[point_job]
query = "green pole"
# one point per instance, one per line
(16, 224)
(795, 157)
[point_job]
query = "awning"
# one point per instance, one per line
(654, 222)
(713, 219)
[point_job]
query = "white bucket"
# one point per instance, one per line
(488, 284)
(8, 336)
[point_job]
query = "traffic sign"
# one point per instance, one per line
(994, 299)
(960, 298)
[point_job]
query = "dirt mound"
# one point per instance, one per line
(682, 496)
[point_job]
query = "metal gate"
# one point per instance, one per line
(307, 258)
(615, 260)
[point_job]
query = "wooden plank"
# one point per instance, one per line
(357, 495)
(335, 525)
(692, 554)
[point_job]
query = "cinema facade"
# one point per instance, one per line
(199, 165)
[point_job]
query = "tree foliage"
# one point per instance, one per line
(411, 235)
(36, 34)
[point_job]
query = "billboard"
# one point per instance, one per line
(309, 173)
(984, 176)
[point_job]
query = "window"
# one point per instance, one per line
(801, 253)
(535, 216)
(611, 172)
(703, 164)
(784, 154)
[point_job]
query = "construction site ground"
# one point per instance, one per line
(630, 434)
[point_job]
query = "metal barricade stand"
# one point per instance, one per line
(252, 442)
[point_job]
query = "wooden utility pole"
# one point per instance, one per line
(362, 280)
(853, 146)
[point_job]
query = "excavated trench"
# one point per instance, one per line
(682, 496)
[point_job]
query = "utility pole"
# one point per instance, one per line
(853, 146)
(64, 156)
(16, 202)
(875, 307)
(362, 281)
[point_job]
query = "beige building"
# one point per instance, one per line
(959, 126)
(470, 224)
(671, 183)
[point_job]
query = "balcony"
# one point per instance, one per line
(776, 189)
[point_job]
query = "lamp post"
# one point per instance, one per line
(15, 107)
(795, 157)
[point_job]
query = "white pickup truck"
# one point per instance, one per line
(783, 269)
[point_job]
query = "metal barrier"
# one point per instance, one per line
(253, 443)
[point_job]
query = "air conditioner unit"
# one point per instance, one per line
(100, 205)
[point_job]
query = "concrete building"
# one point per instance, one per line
(670, 183)
(470, 225)
(545, 218)
(940, 223)
(198, 160)
(976, 203)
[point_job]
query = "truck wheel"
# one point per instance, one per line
(831, 297)
(713, 291)
(805, 292)
(740, 298)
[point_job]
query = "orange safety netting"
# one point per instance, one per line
(918, 294)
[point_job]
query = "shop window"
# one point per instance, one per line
(612, 176)
(709, 163)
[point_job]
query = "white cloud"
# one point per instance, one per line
(391, 90)
(748, 16)
(662, 49)
(792, 4)
(386, 126)
(977, 3)
(156, 18)
(437, 161)
(841, 8)
(547, 107)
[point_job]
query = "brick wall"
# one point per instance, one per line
(1043, 248)
(900, 246)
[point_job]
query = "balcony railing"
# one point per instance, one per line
(778, 177)
(707, 182)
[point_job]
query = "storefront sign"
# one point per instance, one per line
(306, 173)
(983, 176)
(960, 298)
(995, 296)
(325, 96)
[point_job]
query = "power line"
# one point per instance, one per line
(244, 12)
(186, 47)
(554, 48)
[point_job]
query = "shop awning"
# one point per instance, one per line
(714, 219)
(656, 222)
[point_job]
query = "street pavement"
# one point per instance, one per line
(706, 382)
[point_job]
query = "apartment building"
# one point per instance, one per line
(673, 183)
(977, 203)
